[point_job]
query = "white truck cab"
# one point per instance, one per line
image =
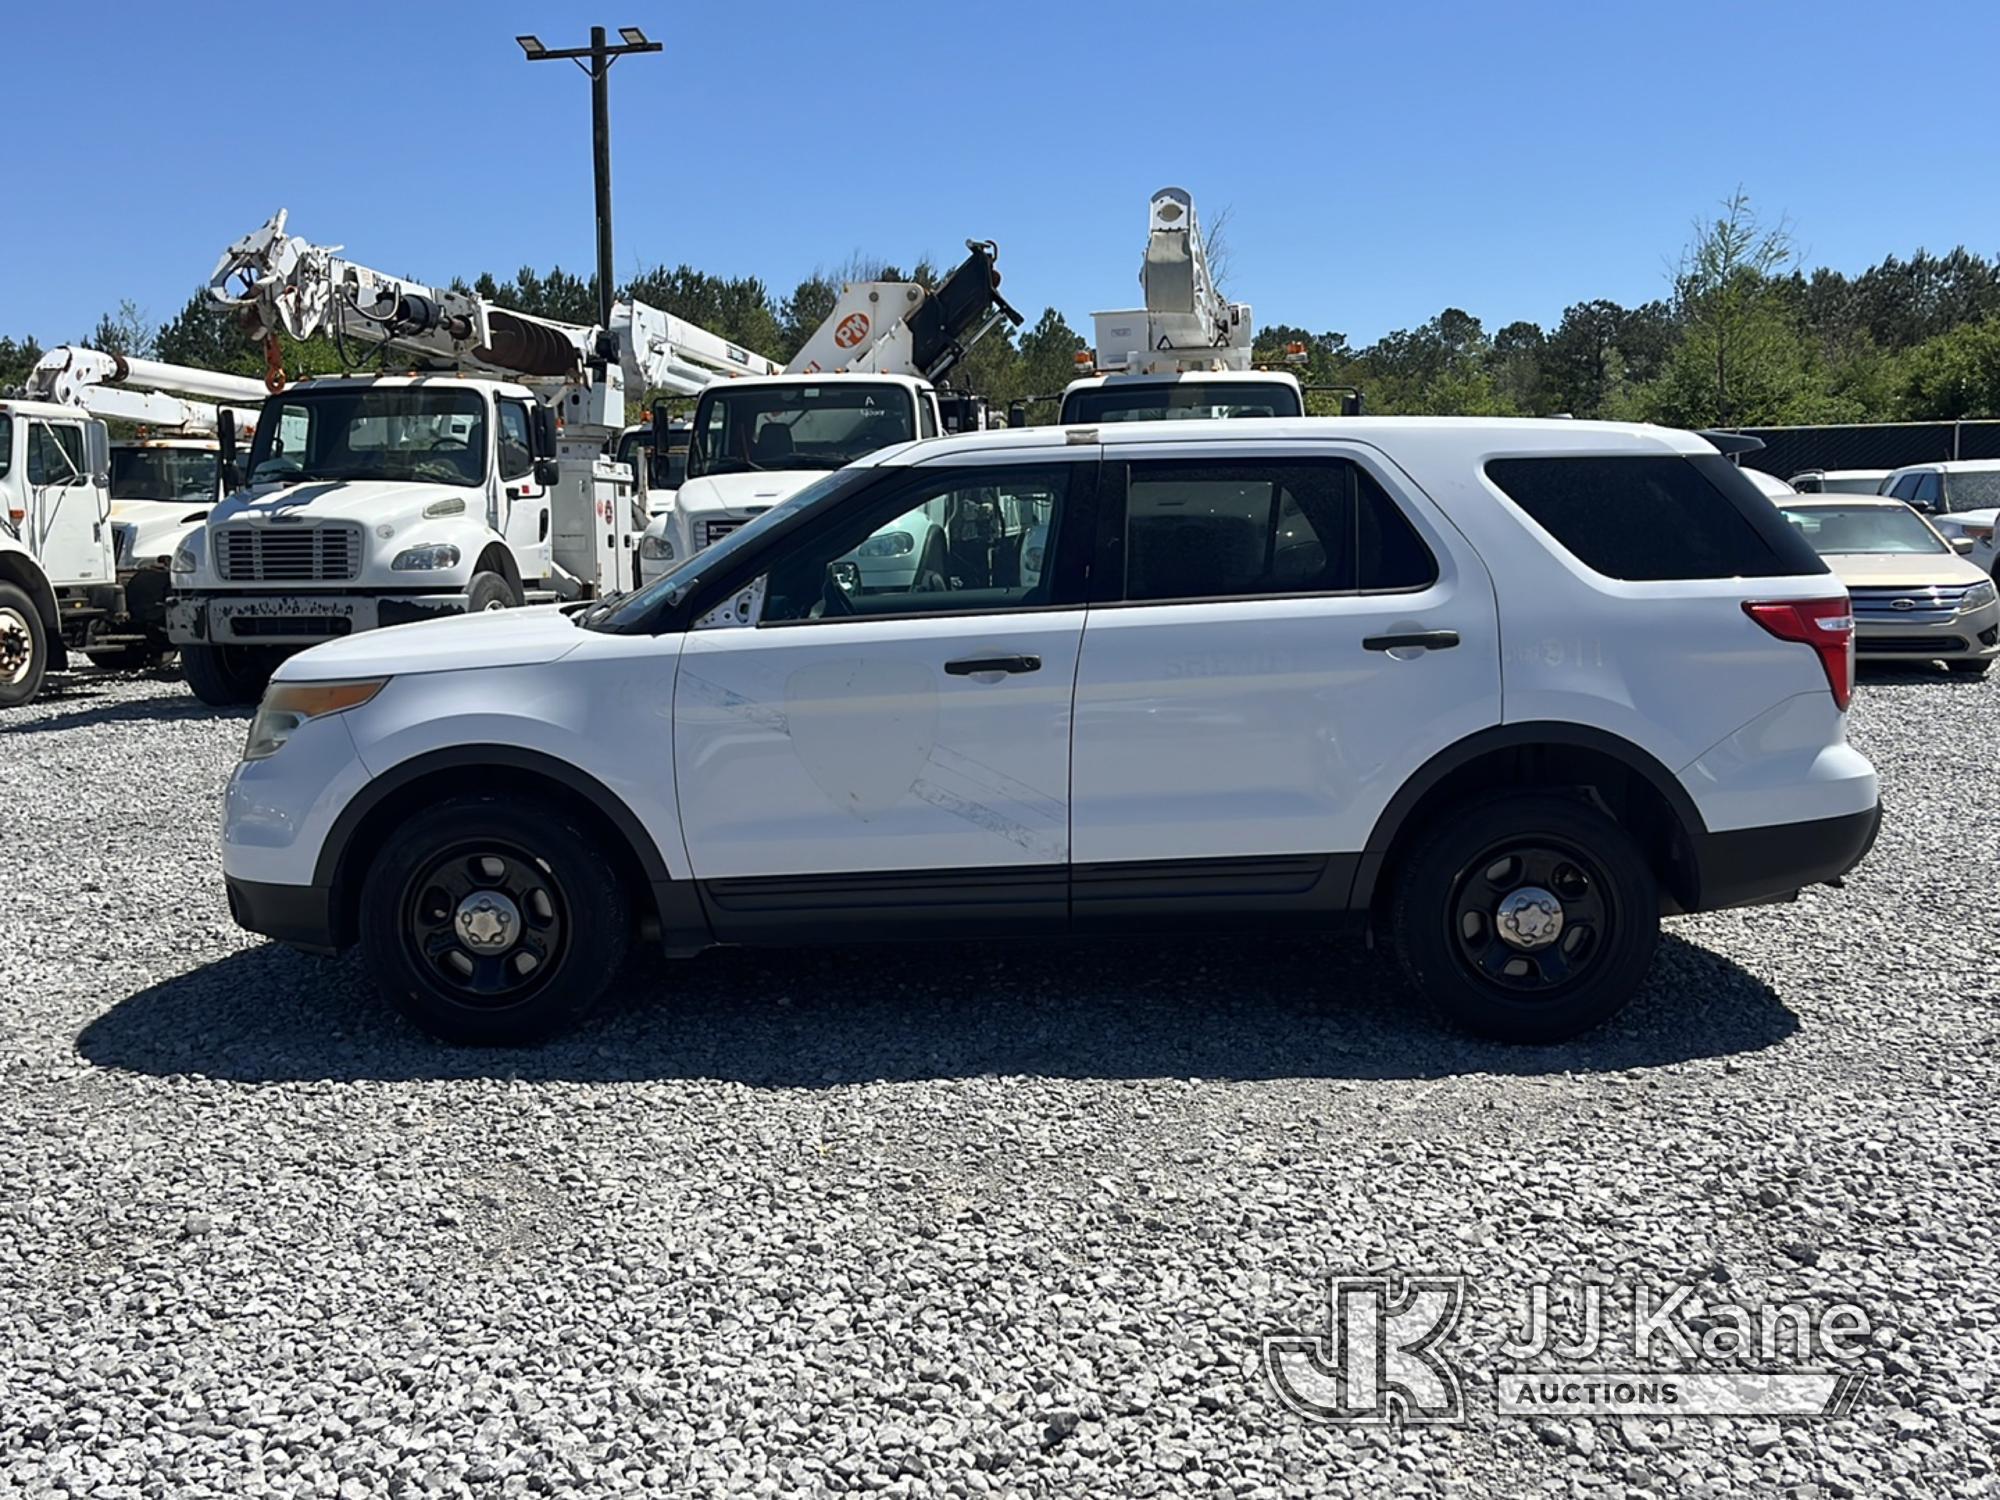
(369, 501)
(1181, 396)
(757, 441)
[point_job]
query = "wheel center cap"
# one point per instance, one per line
(487, 922)
(1529, 918)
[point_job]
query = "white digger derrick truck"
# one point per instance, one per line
(477, 481)
(1187, 352)
(82, 564)
(869, 376)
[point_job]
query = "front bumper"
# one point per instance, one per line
(1971, 635)
(233, 619)
(301, 915)
(1752, 866)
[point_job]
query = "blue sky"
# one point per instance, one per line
(1380, 161)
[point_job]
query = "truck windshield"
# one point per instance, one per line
(1181, 400)
(1834, 530)
(372, 432)
(742, 426)
(164, 473)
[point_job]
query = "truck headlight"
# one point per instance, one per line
(187, 556)
(288, 705)
(888, 544)
(654, 548)
(1980, 595)
(425, 559)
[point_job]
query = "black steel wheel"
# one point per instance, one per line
(1528, 917)
(493, 920)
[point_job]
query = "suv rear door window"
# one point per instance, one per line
(1645, 517)
(1263, 527)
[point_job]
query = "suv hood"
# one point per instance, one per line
(496, 638)
(751, 490)
(1890, 569)
(364, 500)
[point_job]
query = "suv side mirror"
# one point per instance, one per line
(232, 477)
(1962, 545)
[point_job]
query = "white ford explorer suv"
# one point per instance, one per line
(1509, 690)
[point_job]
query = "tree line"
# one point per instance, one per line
(1744, 335)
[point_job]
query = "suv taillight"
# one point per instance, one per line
(1826, 625)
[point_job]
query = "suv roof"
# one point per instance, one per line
(1472, 439)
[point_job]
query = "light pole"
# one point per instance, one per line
(596, 60)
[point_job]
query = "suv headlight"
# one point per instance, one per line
(187, 556)
(1980, 595)
(425, 559)
(288, 705)
(656, 548)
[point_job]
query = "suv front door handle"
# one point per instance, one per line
(1428, 640)
(971, 666)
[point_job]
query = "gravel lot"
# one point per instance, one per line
(980, 1220)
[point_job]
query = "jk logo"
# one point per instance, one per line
(1380, 1353)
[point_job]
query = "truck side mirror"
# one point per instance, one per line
(1350, 404)
(1017, 414)
(547, 472)
(547, 438)
(232, 477)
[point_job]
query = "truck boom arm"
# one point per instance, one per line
(903, 328)
(1186, 322)
(139, 390)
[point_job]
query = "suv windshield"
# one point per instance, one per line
(1977, 490)
(740, 426)
(164, 473)
(1834, 529)
(376, 432)
(624, 610)
(1181, 400)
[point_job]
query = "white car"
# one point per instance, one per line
(1455, 677)
(1961, 498)
(1840, 481)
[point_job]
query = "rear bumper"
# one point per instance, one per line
(301, 915)
(1751, 866)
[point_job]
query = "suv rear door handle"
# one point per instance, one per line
(976, 664)
(1428, 640)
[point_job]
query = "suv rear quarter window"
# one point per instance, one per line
(1646, 517)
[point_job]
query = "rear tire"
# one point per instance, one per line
(489, 591)
(1968, 668)
(24, 648)
(1476, 935)
(492, 921)
(228, 676)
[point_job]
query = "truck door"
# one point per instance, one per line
(520, 510)
(66, 521)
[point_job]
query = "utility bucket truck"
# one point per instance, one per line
(867, 378)
(1186, 353)
(478, 481)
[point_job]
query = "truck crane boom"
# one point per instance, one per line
(142, 390)
(278, 281)
(1186, 323)
(905, 328)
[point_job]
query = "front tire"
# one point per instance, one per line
(492, 921)
(489, 591)
(1527, 918)
(24, 647)
(228, 676)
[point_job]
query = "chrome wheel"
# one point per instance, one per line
(17, 647)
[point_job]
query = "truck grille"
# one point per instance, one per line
(1926, 604)
(247, 553)
(714, 531)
